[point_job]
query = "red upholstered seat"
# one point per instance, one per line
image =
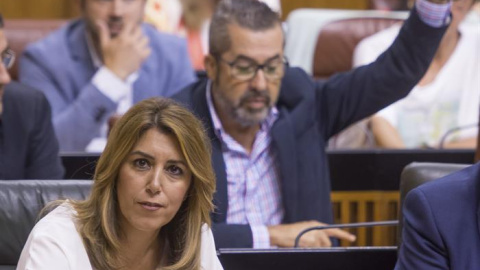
(337, 40)
(21, 32)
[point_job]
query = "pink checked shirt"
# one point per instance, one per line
(254, 195)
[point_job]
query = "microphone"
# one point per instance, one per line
(441, 144)
(347, 225)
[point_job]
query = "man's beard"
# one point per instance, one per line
(244, 116)
(112, 22)
(115, 22)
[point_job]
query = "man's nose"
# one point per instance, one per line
(4, 75)
(259, 81)
(118, 8)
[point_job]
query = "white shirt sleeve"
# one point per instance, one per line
(110, 85)
(261, 237)
(390, 114)
(209, 258)
(55, 244)
(42, 252)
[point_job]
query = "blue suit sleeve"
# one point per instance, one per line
(43, 159)
(182, 74)
(77, 120)
(422, 246)
(232, 235)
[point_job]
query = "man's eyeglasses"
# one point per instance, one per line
(245, 69)
(8, 58)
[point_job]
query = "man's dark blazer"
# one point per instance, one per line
(310, 113)
(442, 223)
(29, 147)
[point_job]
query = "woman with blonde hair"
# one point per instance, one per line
(150, 201)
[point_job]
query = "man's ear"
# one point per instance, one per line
(211, 67)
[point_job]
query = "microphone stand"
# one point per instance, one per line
(347, 225)
(441, 144)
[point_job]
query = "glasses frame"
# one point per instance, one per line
(8, 58)
(257, 68)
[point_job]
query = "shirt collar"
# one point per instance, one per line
(265, 126)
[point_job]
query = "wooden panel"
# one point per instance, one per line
(289, 5)
(64, 9)
(38, 9)
(365, 206)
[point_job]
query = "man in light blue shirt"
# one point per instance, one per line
(96, 67)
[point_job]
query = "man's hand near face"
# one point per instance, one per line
(284, 235)
(125, 53)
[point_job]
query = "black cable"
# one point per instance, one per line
(347, 225)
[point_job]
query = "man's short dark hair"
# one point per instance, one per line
(1, 21)
(250, 14)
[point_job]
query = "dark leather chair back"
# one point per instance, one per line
(418, 173)
(20, 204)
(21, 32)
(337, 41)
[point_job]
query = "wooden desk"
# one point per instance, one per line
(380, 258)
(365, 187)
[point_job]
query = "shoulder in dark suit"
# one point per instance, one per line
(442, 221)
(30, 148)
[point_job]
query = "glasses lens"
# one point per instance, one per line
(244, 70)
(274, 71)
(8, 59)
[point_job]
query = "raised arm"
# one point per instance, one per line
(349, 97)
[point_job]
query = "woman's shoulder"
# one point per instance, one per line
(209, 259)
(207, 235)
(54, 242)
(205, 228)
(57, 227)
(59, 221)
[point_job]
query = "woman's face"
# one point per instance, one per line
(152, 182)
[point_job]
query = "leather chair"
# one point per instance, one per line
(21, 32)
(303, 27)
(20, 204)
(337, 41)
(418, 173)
